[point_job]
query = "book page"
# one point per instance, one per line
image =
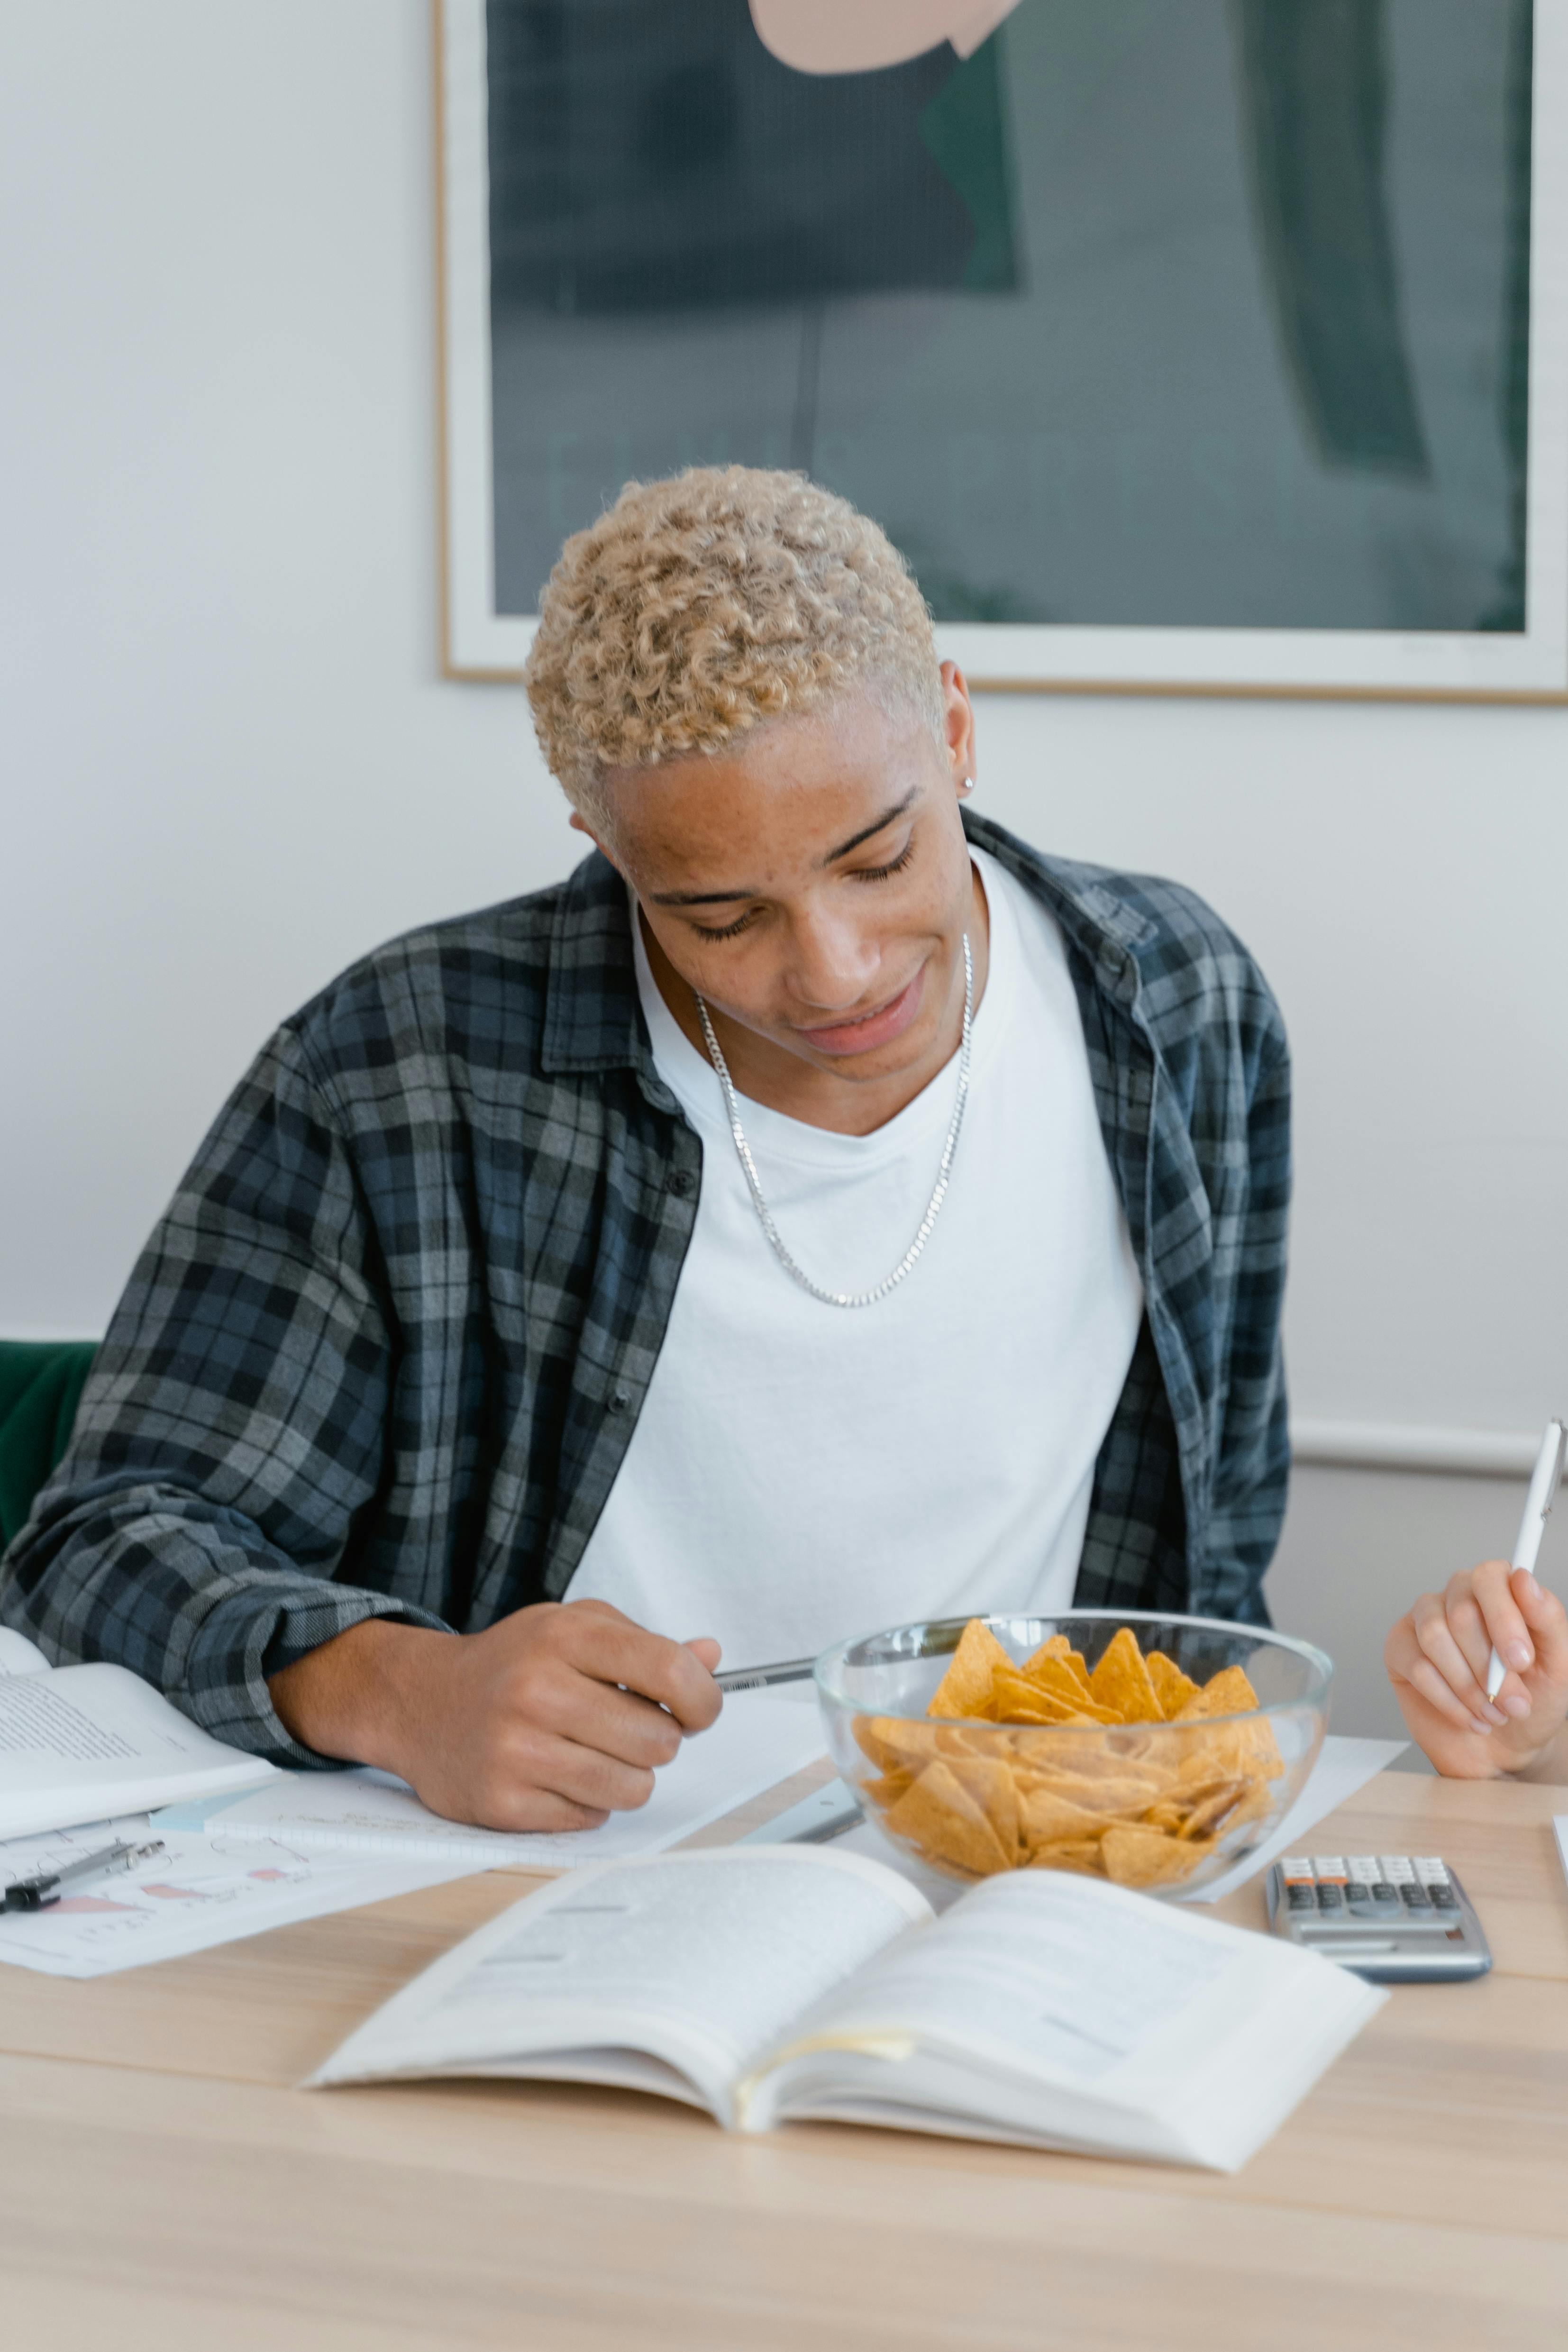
(1087, 2013)
(700, 1960)
(82, 1742)
(20, 1656)
(757, 1741)
(1039, 1967)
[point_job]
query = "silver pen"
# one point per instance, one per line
(784, 1670)
(37, 1893)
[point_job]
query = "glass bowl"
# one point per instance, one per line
(1164, 1806)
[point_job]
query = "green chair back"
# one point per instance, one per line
(41, 1382)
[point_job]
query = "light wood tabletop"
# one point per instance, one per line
(163, 2183)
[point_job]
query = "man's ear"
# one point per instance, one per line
(958, 726)
(579, 824)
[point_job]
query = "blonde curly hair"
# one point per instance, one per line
(703, 605)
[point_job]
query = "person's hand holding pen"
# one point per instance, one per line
(1436, 1659)
(549, 1719)
(1480, 1669)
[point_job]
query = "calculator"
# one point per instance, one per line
(1398, 1918)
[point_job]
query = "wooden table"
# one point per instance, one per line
(162, 2184)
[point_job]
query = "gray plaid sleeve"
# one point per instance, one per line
(1252, 1467)
(233, 1426)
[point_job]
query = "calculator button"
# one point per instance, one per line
(1329, 1898)
(1383, 1893)
(1417, 1898)
(1301, 1898)
(1444, 1898)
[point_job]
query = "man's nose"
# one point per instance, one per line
(833, 965)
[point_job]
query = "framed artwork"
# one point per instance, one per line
(1181, 345)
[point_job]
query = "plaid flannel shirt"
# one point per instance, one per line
(384, 1352)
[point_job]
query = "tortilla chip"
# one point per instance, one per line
(885, 1790)
(1057, 1653)
(1058, 1681)
(1122, 1799)
(1254, 1806)
(902, 1744)
(965, 1690)
(867, 1730)
(940, 1817)
(1082, 1855)
(1122, 1681)
(1242, 1750)
(1208, 1817)
(1013, 1700)
(1172, 1688)
(1135, 1856)
(1046, 1817)
(960, 1738)
(994, 1790)
(1093, 1757)
(1019, 1698)
(1226, 1693)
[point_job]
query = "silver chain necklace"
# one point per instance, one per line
(933, 1207)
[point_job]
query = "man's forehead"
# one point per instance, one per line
(798, 792)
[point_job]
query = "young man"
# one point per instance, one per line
(818, 1211)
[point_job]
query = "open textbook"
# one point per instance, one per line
(771, 1984)
(78, 1743)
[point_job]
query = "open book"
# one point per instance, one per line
(776, 1983)
(82, 1743)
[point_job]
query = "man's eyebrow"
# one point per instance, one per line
(728, 897)
(844, 847)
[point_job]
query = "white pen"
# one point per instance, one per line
(1532, 1527)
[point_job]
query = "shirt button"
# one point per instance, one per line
(680, 1180)
(618, 1401)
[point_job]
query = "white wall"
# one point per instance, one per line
(230, 764)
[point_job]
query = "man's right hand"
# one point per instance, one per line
(548, 1720)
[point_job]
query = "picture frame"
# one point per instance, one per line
(1523, 659)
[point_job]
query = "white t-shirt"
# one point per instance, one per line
(802, 1474)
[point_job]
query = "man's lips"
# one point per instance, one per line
(878, 1028)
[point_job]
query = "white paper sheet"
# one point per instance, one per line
(200, 1891)
(757, 1741)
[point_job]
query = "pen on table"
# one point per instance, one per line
(784, 1670)
(1532, 1527)
(36, 1894)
